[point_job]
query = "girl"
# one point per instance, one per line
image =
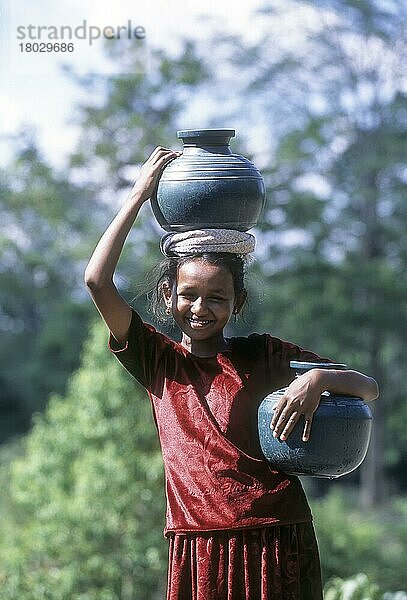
(236, 527)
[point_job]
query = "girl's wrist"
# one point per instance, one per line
(137, 196)
(319, 380)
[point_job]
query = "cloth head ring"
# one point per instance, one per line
(207, 240)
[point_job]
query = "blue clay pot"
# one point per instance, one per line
(339, 437)
(208, 186)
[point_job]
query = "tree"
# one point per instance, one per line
(138, 108)
(87, 494)
(53, 220)
(42, 317)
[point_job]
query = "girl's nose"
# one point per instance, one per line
(199, 307)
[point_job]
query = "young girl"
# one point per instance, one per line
(237, 528)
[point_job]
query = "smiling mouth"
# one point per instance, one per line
(199, 323)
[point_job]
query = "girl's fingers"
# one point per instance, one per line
(278, 409)
(307, 428)
(287, 422)
(281, 421)
(156, 161)
(162, 159)
(284, 420)
(151, 170)
(163, 155)
(158, 150)
(276, 417)
(291, 423)
(300, 398)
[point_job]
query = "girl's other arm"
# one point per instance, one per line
(303, 395)
(115, 311)
(348, 383)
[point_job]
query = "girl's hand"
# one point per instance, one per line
(302, 397)
(150, 172)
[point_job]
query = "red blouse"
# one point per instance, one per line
(205, 410)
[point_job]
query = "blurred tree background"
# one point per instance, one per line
(322, 110)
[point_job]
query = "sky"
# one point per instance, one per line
(33, 88)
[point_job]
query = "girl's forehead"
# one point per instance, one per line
(201, 272)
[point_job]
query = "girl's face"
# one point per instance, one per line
(202, 301)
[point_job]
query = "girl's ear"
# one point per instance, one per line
(239, 302)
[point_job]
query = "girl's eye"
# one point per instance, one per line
(186, 297)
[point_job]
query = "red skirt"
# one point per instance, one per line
(271, 563)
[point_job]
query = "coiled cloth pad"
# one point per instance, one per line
(207, 240)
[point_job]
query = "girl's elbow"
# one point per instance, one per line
(88, 279)
(92, 282)
(96, 284)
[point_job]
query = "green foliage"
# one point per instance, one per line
(137, 109)
(43, 319)
(51, 224)
(357, 588)
(87, 494)
(372, 541)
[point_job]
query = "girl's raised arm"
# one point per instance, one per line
(115, 311)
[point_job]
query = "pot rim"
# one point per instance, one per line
(196, 133)
(304, 366)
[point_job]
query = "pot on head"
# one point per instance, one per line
(208, 186)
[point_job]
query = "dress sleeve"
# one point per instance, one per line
(279, 353)
(142, 351)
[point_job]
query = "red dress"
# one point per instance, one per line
(237, 528)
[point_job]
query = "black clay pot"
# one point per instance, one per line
(208, 186)
(339, 437)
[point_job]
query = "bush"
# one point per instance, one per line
(368, 542)
(86, 500)
(357, 588)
